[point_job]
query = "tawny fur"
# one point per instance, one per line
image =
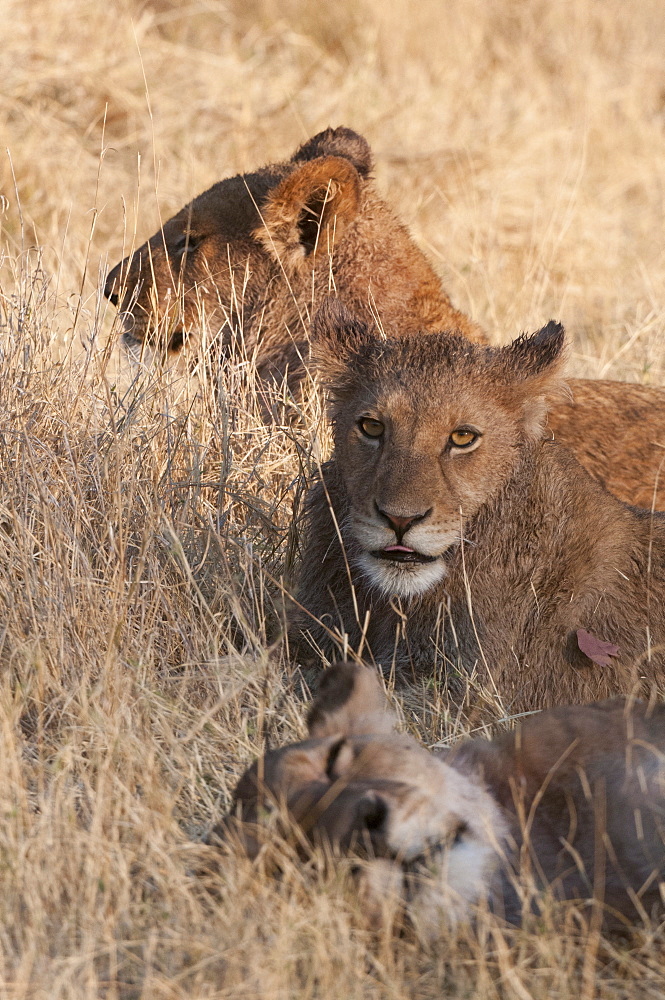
(573, 799)
(253, 256)
(547, 550)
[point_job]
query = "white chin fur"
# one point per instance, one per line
(449, 897)
(402, 579)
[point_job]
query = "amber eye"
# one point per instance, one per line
(463, 438)
(371, 428)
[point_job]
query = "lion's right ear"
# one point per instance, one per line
(350, 701)
(310, 210)
(339, 141)
(337, 338)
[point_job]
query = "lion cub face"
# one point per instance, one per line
(423, 831)
(427, 430)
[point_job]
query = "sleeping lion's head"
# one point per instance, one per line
(423, 832)
(428, 429)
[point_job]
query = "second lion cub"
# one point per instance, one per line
(459, 526)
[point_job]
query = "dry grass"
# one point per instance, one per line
(143, 533)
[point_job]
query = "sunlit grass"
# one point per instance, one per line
(146, 516)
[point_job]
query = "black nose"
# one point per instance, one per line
(110, 287)
(371, 813)
(401, 524)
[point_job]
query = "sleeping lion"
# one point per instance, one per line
(573, 798)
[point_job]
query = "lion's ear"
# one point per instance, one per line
(540, 355)
(338, 338)
(339, 141)
(350, 701)
(536, 366)
(310, 210)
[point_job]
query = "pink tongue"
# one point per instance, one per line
(397, 548)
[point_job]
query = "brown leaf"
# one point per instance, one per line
(598, 650)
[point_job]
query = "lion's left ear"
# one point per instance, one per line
(535, 366)
(350, 701)
(539, 355)
(310, 210)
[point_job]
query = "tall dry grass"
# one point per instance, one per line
(145, 520)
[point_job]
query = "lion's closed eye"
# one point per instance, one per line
(186, 242)
(339, 760)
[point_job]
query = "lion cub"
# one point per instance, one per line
(573, 798)
(447, 518)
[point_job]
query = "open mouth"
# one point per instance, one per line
(402, 554)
